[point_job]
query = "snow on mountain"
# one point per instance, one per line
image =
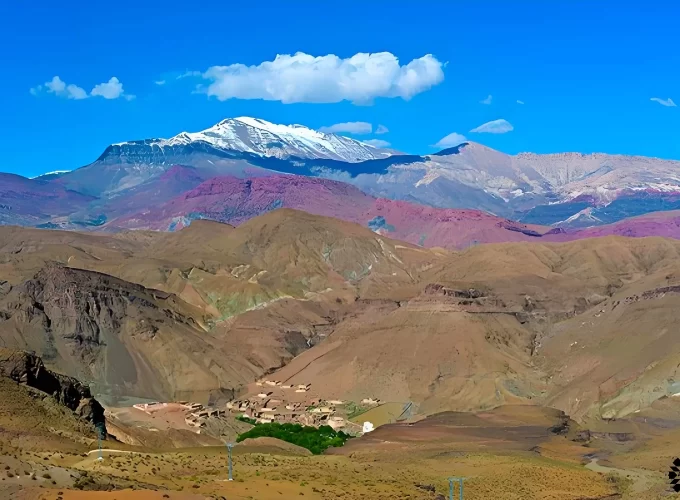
(54, 172)
(253, 135)
(552, 189)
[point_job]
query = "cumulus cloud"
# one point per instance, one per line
(75, 92)
(112, 89)
(56, 85)
(494, 127)
(348, 128)
(520, 102)
(325, 79)
(664, 102)
(59, 87)
(377, 143)
(487, 100)
(160, 82)
(451, 140)
(382, 129)
(109, 90)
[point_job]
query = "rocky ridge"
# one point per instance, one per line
(29, 370)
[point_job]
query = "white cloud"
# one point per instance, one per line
(520, 102)
(451, 140)
(664, 102)
(377, 143)
(325, 79)
(75, 92)
(160, 82)
(348, 128)
(57, 86)
(494, 127)
(129, 97)
(487, 100)
(382, 129)
(112, 89)
(189, 74)
(109, 90)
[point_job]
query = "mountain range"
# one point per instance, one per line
(244, 166)
(201, 273)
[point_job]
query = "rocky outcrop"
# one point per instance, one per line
(82, 304)
(437, 289)
(71, 317)
(27, 369)
(123, 338)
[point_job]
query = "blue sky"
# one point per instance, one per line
(586, 72)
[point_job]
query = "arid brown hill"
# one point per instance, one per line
(314, 299)
(235, 303)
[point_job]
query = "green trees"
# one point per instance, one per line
(315, 440)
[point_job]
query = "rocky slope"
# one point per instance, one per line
(538, 189)
(246, 300)
(307, 298)
(507, 323)
(29, 370)
(121, 336)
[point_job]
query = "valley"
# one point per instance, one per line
(569, 344)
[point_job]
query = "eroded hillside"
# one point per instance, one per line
(208, 310)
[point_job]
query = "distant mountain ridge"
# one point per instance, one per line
(539, 189)
(568, 190)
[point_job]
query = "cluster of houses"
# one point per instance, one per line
(266, 407)
(198, 414)
(288, 405)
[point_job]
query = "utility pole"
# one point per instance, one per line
(460, 487)
(100, 433)
(229, 447)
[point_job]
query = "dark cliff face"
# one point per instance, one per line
(97, 328)
(27, 369)
(81, 305)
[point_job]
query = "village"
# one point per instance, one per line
(274, 401)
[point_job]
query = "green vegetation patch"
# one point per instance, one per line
(315, 440)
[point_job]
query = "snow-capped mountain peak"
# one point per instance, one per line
(257, 136)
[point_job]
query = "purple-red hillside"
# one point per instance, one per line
(30, 201)
(233, 200)
(664, 224)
